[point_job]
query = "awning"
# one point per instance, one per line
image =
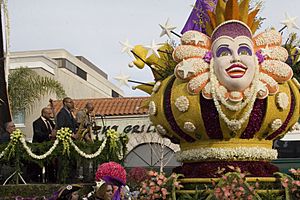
(291, 136)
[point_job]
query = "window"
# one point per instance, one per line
(114, 94)
(287, 149)
(152, 156)
(19, 118)
(81, 73)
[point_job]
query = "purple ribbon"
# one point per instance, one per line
(117, 182)
(198, 17)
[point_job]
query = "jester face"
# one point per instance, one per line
(234, 62)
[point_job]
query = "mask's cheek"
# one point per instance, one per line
(222, 63)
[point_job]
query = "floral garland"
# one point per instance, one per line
(4, 151)
(39, 157)
(64, 136)
(234, 124)
(237, 153)
(89, 156)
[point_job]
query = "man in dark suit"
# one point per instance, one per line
(43, 127)
(43, 130)
(65, 117)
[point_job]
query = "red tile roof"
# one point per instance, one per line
(110, 106)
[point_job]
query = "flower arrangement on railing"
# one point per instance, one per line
(233, 185)
(114, 136)
(11, 147)
(63, 136)
(115, 142)
(291, 186)
(159, 187)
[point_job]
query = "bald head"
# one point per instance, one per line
(89, 106)
(46, 113)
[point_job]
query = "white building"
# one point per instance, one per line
(78, 76)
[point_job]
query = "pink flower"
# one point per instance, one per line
(241, 188)
(238, 193)
(159, 182)
(294, 189)
(151, 173)
(144, 185)
(144, 191)
(173, 175)
(218, 190)
(242, 175)
(285, 185)
(157, 189)
(152, 184)
(164, 191)
(177, 185)
(251, 188)
(285, 182)
(161, 176)
(257, 184)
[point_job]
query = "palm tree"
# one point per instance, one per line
(25, 87)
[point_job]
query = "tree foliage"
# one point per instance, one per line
(25, 87)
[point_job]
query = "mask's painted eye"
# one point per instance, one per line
(244, 51)
(223, 51)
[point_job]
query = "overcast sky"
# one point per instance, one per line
(93, 28)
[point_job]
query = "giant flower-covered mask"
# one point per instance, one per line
(234, 62)
(232, 67)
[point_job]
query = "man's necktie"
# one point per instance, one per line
(49, 127)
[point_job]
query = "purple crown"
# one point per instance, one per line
(232, 29)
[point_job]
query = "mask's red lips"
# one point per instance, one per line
(236, 70)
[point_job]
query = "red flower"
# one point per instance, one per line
(111, 169)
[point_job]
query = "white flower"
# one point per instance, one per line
(152, 108)
(156, 86)
(276, 124)
(189, 126)
(182, 103)
(237, 153)
(282, 100)
(161, 129)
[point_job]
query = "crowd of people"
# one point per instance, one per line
(102, 191)
(110, 185)
(44, 129)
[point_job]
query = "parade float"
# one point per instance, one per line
(225, 93)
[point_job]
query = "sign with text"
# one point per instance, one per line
(125, 125)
